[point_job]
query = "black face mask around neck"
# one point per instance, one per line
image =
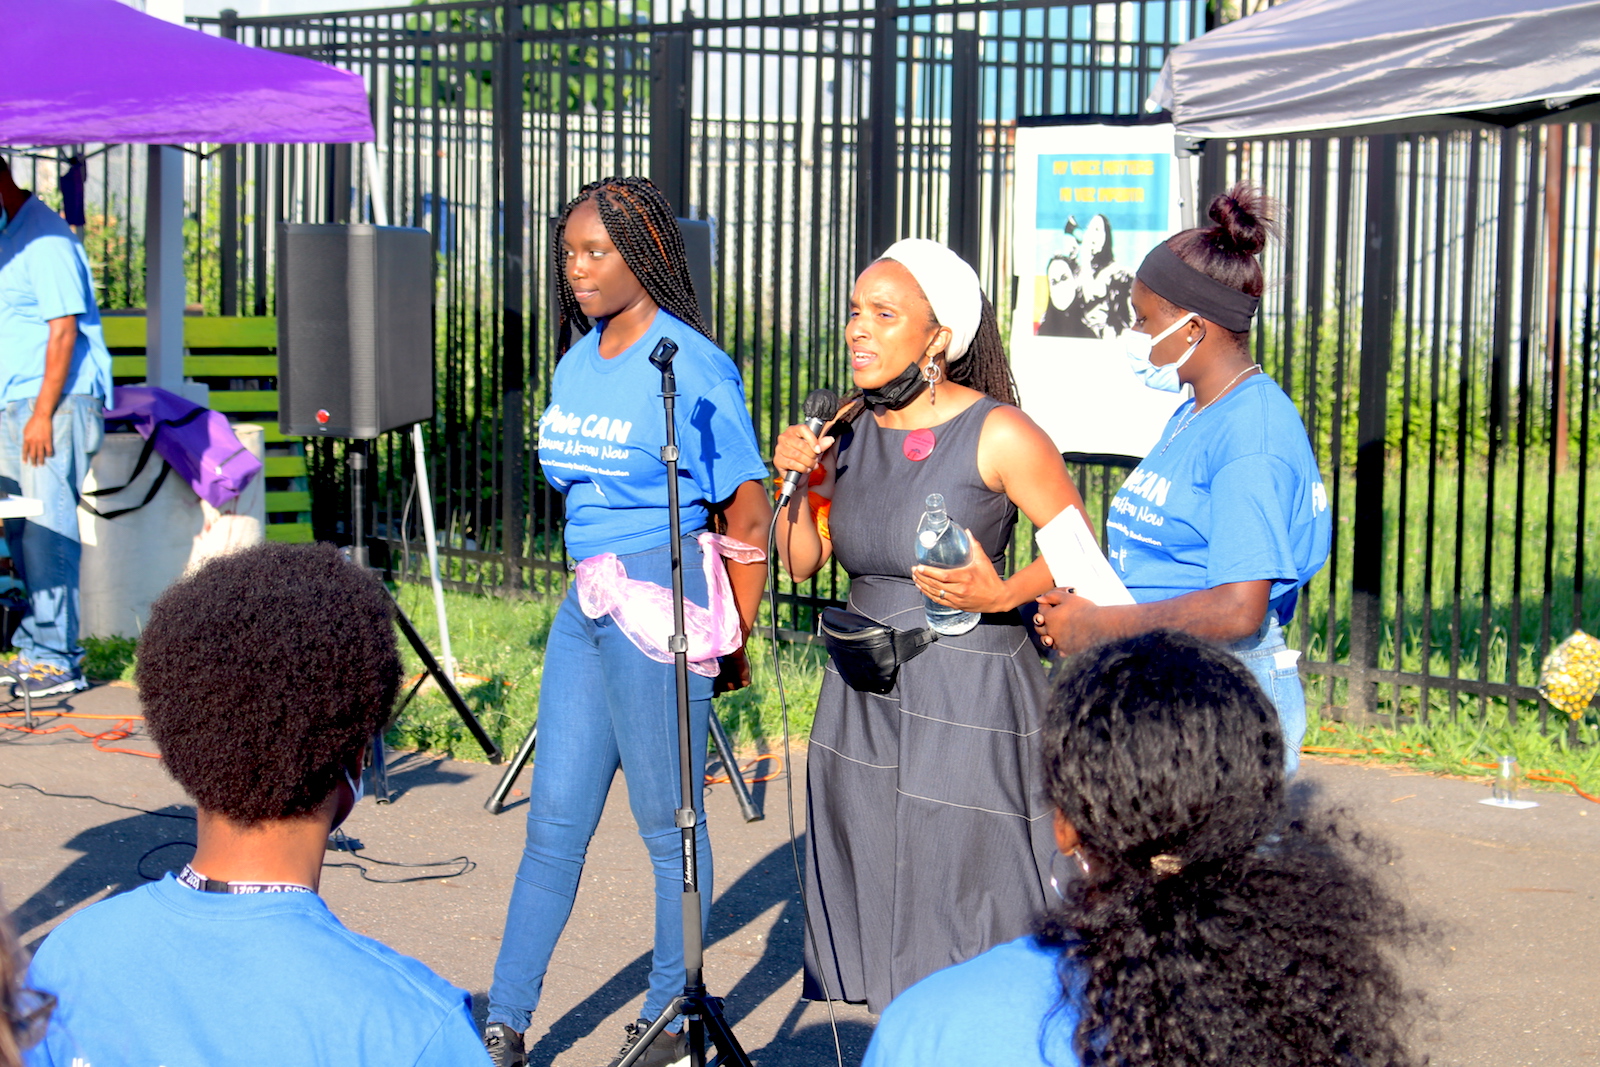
(898, 391)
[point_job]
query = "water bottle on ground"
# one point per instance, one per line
(942, 543)
(1508, 780)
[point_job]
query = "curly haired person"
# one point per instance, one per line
(263, 677)
(1204, 923)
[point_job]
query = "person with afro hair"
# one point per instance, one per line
(263, 677)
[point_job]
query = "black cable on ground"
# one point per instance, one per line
(788, 784)
(338, 842)
(186, 817)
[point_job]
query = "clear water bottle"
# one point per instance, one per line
(942, 543)
(1508, 780)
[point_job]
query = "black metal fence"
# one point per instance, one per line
(1434, 312)
(1435, 320)
(809, 138)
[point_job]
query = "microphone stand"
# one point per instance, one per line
(703, 1011)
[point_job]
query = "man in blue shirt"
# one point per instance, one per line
(55, 379)
(263, 702)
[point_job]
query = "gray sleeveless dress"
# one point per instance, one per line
(928, 835)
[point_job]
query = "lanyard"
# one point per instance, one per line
(194, 880)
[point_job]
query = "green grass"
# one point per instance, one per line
(502, 642)
(109, 658)
(1445, 746)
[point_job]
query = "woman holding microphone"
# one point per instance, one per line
(928, 832)
(1220, 525)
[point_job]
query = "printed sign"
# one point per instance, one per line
(1091, 201)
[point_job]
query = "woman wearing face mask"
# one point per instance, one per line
(1220, 525)
(927, 826)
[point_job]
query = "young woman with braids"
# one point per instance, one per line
(1220, 525)
(927, 827)
(623, 284)
(1207, 926)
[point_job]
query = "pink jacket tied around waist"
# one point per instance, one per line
(643, 610)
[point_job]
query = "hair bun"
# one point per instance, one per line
(1246, 218)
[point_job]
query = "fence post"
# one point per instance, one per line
(508, 126)
(878, 194)
(336, 169)
(1379, 272)
(671, 77)
(1504, 298)
(228, 161)
(964, 149)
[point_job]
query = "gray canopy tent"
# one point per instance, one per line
(1380, 69)
(1377, 66)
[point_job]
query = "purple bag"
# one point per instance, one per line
(196, 442)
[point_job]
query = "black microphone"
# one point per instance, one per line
(661, 358)
(820, 406)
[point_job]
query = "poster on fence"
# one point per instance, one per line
(1091, 201)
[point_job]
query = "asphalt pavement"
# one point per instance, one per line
(1511, 982)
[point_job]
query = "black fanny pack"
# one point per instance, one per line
(868, 654)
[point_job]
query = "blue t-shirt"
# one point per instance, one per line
(167, 976)
(1234, 496)
(1002, 1007)
(44, 275)
(600, 439)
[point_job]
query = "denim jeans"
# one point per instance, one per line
(45, 549)
(1269, 658)
(604, 704)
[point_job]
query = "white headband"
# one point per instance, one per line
(950, 285)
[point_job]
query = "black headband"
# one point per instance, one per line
(1170, 278)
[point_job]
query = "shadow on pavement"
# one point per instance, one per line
(109, 863)
(413, 770)
(770, 882)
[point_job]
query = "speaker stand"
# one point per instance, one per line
(356, 470)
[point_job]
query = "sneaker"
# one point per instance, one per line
(667, 1050)
(14, 667)
(41, 680)
(504, 1046)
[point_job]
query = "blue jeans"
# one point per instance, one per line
(1268, 657)
(45, 549)
(606, 705)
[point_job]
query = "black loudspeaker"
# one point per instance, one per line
(697, 241)
(355, 329)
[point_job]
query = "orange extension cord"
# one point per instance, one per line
(772, 774)
(1556, 777)
(120, 732)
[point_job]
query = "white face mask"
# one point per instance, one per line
(1139, 346)
(358, 785)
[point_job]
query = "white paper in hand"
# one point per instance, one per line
(1076, 562)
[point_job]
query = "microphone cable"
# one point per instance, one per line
(788, 784)
(337, 842)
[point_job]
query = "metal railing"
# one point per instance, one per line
(1433, 311)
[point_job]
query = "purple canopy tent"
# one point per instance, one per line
(97, 71)
(80, 71)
